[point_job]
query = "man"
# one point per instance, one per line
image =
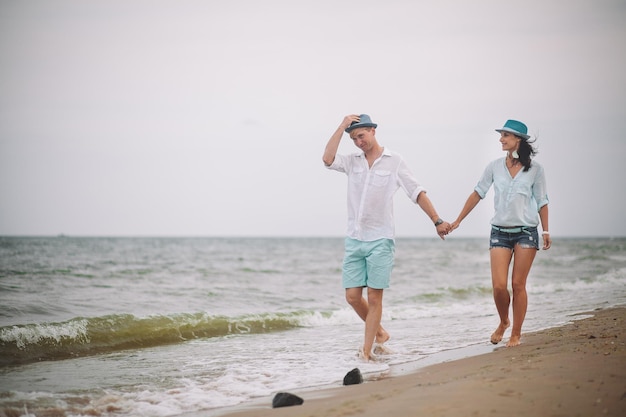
(374, 175)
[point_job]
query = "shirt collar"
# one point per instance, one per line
(386, 152)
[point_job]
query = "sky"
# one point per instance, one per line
(209, 118)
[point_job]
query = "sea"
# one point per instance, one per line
(199, 326)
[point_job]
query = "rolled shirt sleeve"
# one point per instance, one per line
(485, 181)
(540, 188)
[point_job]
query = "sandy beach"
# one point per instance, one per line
(578, 369)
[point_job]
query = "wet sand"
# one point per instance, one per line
(578, 369)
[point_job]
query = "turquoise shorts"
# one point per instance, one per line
(368, 264)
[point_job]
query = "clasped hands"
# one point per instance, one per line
(445, 228)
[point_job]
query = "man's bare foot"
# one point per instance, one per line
(381, 350)
(365, 357)
(496, 337)
(514, 341)
(382, 336)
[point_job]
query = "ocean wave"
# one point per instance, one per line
(20, 344)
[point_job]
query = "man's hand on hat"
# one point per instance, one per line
(349, 119)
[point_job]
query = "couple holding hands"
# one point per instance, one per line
(375, 174)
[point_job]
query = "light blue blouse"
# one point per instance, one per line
(517, 199)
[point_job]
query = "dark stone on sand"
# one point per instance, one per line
(353, 377)
(285, 399)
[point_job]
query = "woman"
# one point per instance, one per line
(521, 201)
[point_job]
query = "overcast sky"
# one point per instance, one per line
(209, 118)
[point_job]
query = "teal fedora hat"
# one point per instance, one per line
(515, 127)
(364, 121)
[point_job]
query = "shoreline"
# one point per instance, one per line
(578, 368)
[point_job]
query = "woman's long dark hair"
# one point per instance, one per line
(526, 151)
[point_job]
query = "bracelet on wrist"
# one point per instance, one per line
(438, 222)
(545, 232)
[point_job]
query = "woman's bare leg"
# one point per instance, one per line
(523, 260)
(500, 261)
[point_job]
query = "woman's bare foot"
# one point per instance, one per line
(496, 337)
(514, 341)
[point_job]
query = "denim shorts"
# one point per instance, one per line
(368, 264)
(508, 237)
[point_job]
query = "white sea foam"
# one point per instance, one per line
(26, 335)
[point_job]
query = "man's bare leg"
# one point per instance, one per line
(354, 297)
(372, 322)
(500, 261)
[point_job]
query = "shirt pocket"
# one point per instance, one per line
(357, 175)
(380, 177)
(519, 191)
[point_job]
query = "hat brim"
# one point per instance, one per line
(515, 132)
(358, 125)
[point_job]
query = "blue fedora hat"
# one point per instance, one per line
(515, 127)
(364, 121)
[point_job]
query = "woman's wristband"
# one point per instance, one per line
(545, 232)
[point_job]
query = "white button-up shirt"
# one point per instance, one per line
(371, 191)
